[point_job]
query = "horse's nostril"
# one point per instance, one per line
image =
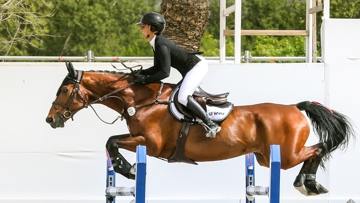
(49, 119)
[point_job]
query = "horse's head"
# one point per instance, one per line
(69, 98)
(81, 89)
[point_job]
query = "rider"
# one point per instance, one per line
(192, 66)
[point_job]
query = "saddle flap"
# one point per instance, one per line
(219, 113)
(184, 110)
(181, 108)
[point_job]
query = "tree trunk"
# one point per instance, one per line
(186, 21)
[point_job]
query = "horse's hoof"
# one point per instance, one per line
(302, 189)
(131, 176)
(311, 188)
(315, 188)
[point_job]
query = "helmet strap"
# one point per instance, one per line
(149, 29)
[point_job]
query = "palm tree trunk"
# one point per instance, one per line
(186, 21)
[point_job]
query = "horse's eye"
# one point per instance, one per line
(64, 90)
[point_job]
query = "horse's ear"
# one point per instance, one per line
(72, 71)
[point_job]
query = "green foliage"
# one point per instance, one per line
(275, 15)
(210, 46)
(23, 24)
(261, 15)
(344, 9)
(214, 22)
(289, 46)
(106, 27)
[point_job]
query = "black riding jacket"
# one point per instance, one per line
(168, 54)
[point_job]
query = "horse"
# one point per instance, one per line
(246, 129)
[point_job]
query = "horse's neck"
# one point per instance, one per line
(105, 89)
(101, 86)
(151, 92)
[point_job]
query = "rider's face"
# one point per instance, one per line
(145, 30)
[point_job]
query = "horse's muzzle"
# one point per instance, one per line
(55, 123)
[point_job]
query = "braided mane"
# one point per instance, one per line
(108, 71)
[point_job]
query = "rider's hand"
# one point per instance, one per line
(140, 79)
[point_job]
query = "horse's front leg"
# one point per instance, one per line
(120, 164)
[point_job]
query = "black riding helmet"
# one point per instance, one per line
(155, 20)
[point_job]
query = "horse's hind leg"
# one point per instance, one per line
(120, 164)
(305, 182)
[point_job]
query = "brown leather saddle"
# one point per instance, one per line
(207, 101)
(204, 99)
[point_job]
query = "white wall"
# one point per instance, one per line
(69, 163)
(340, 43)
(40, 164)
(340, 40)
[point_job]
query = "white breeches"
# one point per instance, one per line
(192, 80)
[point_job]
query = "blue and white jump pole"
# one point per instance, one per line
(273, 191)
(140, 179)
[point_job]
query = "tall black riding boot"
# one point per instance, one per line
(211, 127)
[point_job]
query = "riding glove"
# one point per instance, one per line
(141, 79)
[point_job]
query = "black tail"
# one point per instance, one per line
(333, 128)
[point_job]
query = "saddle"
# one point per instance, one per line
(204, 99)
(216, 106)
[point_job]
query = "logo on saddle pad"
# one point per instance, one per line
(216, 106)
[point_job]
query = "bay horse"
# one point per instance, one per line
(251, 128)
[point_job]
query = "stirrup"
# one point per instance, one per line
(211, 132)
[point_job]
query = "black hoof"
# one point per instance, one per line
(131, 176)
(315, 188)
(311, 188)
(307, 185)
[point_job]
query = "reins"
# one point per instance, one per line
(130, 109)
(77, 91)
(108, 96)
(156, 101)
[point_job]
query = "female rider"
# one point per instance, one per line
(192, 67)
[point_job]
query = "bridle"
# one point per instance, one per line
(77, 91)
(68, 113)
